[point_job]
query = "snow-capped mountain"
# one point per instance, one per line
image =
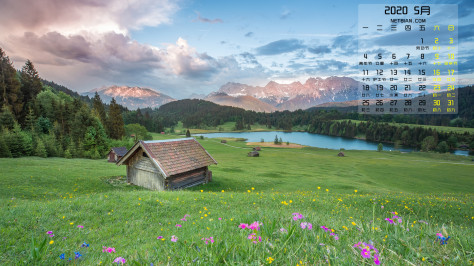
(131, 97)
(244, 101)
(296, 95)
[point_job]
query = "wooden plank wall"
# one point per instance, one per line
(142, 172)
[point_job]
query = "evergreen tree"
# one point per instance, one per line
(276, 140)
(380, 147)
(7, 120)
(40, 150)
(442, 147)
(4, 150)
(30, 86)
(10, 86)
(99, 107)
(115, 121)
(188, 133)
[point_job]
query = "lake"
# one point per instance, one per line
(313, 140)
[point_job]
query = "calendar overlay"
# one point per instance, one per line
(408, 59)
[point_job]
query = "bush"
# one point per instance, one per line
(442, 147)
(380, 147)
(40, 150)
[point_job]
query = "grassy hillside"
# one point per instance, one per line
(88, 201)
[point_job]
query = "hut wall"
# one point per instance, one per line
(188, 179)
(142, 172)
(111, 157)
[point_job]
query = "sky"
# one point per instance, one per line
(187, 47)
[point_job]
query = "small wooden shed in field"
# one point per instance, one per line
(168, 164)
(116, 153)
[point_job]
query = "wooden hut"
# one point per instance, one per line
(168, 164)
(116, 153)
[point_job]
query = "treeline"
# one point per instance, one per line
(426, 139)
(37, 119)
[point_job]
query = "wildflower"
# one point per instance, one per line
(255, 226)
(80, 226)
(49, 232)
(207, 240)
(108, 249)
(325, 228)
(160, 237)
(376, 260)
(297, 216)
(253, 188)
(327, 190)
(84, 245)
(353, 223)
(319, 187)
(222, 191)
(365, 253)
(355, 191)
(62, 256)
(77, 255)
(183, 219)
(220, 218)
(51, 235)
(381, 207)
(178, 225)
(51, 242)
(270, 260)
(283, 230)
(71, 223)
(305, 225)
(174, 238)
(243, 226)
(389, 220)
(119, 260)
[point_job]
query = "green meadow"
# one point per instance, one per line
(312, 208)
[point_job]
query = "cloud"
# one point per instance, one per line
(347, 43)
(206, 20)
(74, 16)
(249, 34)
(322, 49)
(186, 61)
(280, 47)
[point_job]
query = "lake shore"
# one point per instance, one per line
(273, 145)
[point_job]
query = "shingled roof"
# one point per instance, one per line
(120, 151)
(173, 156)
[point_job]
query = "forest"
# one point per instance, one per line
(41, 118)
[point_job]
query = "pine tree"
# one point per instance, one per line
(10, 86)
(30, 87)
(7, 120)
(4, 150)
(115, 121)
(188, 133)
(40, 150)
(98, 106)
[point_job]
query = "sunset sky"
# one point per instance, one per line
(186, 47)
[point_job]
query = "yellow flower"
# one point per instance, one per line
(291, 201)
(353, 223)
(327, 190)
(355, 191)
(201, 190)
(319, 187)
(423, 259)
(253, 188)
(248, 191)
(339, 199)
(222, 191)
(270, 260)
(64, 217)
(51, 242)
(314, 199)
(71, 223)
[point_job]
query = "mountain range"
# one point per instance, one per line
(269, 98)
(275, 96)
(131, 97)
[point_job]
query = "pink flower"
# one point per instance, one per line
(243, 226)
(305, 225)
(49, 232)
(51, 235)
(120, 260)
(80, 226)
(389, 220)
(251, 236)
(336, 237)
(160, 237)
(108, 249)
(220, 218)
(439, 234)
(174, 238)
(207, 240)
(365, 253)
(381, 207)
(183, 219)
(178, 225)
(283, 230)
(297, 216)
(325, 228)
(376, 260)
(254, 226)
